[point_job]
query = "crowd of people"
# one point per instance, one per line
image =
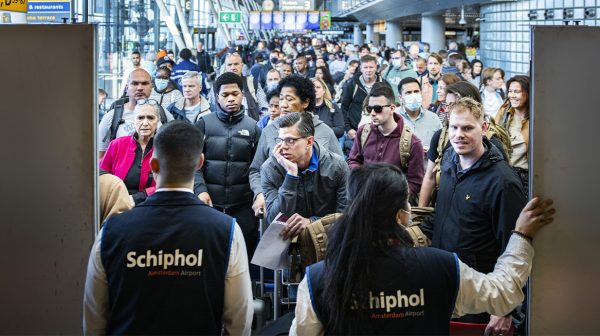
(307, 128)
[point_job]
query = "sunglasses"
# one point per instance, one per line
(377, 108)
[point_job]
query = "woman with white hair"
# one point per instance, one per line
(128, 157)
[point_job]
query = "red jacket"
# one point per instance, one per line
(380, 148)
(119, 158)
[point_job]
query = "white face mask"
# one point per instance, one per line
(413, 101)
(161, 83)
(272, 86)
(396, 63)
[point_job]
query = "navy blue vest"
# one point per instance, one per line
(413, 292)
(165, 262)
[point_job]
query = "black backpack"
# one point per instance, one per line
(118, 106)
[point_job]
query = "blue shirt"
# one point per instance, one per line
(313, 164)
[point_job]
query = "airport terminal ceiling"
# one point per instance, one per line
(377, 10)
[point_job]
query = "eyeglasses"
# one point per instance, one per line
(288, 141)
(377, 108)
(145, 101)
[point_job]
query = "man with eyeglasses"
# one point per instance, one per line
(118, 121)
(381, 140)
(302, 180)
(398, 70)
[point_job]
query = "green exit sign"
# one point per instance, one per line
(230, 17)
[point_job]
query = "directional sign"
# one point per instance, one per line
(49, 7)
(13, 6)
(230, 17)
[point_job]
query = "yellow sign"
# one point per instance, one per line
(13, 6)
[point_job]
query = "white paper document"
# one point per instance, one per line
(272, 250)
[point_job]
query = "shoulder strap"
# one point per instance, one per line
(118, 107)
(404, 144)
(364, 135)
(355, 89)
(440, 150)
(251, 87)
(163, 115)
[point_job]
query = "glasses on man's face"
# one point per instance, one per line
(145, 101)
(377, 108)
(288, 141)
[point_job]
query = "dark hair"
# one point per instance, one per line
(165, 69)
(524, 82)
(453, 58)
(170, 52)
(381, 89)
(377, 192)
(303, 121)
(259, 57)
(352, 62)
(185, 53)
(464, 89)
(178, 146)
(327, 78)
(228, 78)
(135, 52)
(273, 93)
(475, 61)
(305, 89)
(102, 92)
(407, 80)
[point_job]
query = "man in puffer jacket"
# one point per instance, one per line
(231, 138)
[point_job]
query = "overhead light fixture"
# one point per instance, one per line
(533, 15)
(590, 13)
(549, 14)
(568, 13)
(462, 20)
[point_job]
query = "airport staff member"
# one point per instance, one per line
(373, 281)
(172, 265)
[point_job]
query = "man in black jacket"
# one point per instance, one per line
(355, 92)
(231, 138)
(478, 202)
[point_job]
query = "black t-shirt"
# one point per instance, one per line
(132, 179)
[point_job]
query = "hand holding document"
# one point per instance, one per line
(272, 250)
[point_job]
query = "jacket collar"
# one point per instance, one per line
(171, 198)
(489, 157)
(229, 117)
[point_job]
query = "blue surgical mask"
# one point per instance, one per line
(272, 86)
(413, 101)
(161, 83)
(397, 63)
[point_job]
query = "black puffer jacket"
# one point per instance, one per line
(230, 142)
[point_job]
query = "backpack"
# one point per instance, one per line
(493, 129)
(311, 243)
(118, 106)
(404, 144)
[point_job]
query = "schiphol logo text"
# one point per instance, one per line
(164, 261)
(391, 302)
